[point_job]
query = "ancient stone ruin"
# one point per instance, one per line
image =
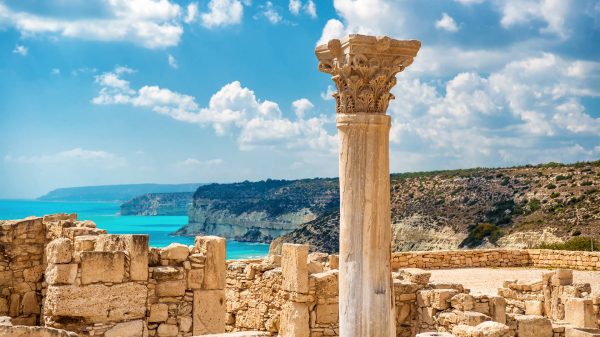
(63, 277)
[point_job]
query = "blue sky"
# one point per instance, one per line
(133, 91)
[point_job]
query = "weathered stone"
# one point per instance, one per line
(137, 247)
(533, 326)
(30, 303)
(415, 275)
(441, 298)
(580, 313)
(327, 313)
(334, 261)
(33, 274)
(294, 318)
(126, 329)
(195, 278)
(166, 273)
(463, 302)
(85, 243)
(498, 305)
(97, 302)
(33, 331)
(534, 308)
(326, 283)
(102, 267)
(215, 271)
(209, 312)
(175, 251)
(61, 273)
(59, 251)
(3, 306)
(159, 312)
(294, 267)
(185, 324)
(171, 288)
(167, 330)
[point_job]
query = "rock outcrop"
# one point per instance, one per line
(158, 204)
(259, 211)
(520, 207)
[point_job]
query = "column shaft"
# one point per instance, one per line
(366, 299)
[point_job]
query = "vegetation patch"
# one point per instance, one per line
(577, 243)
(479, 232)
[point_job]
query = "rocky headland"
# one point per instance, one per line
(259, 211)
(158, 204)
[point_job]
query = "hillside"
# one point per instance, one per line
(259, 211)
(508, 207)
(159, 204)
(114, 192)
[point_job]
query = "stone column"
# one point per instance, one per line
(364, 70)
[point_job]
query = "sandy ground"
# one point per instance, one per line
(488, 280)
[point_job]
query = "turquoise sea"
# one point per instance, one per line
(106, 216)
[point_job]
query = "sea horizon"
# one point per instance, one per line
(106, 215)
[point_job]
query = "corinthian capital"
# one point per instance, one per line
(364, 70)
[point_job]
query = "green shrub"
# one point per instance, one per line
(534, 205)
(505, 181)
(578, 243)
(586, 183)
(561, 177)
(554, 195)
(551, 186)
(479, 232)
(576, 232)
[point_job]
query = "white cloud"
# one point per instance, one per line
(223, 13)
(311, 9)
(302, 106)
(193, 162)
(470, 2)
(521, 12)
(70, 157)
(192, 13)
(271, 13)
(172, 61)
(520, 113)
(21, 50)
(55, 71)
(233, 109)
(294, 6)
(150, 23)
(328, 95)
(446, 23)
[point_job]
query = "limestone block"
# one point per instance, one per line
(580, 313)
(159, 312)
(562, 277)
(61, 273)
(533, 326)
(102, 267)
(85, 243)
(534, 308)
(415, 275)
(209, 312)
(482, 307)
(402, 312)
(327, 313)
(213, 247)
(294, 267)
(334, 261)
(59, 251)
(167, 330)
(463, 302)
(137, 247)
(166, 273)
(493, 329)
(315, 267)
(195, 278)
(33, 331)
(3, 306)
(73, 232)
(471, 318)
(97, 302)
(30, 303)
(15, 305)
(427, 315)
(175, 251)
(498, 306)
(579, 332)
(441, 298)
(326, 283)
(171, 288)
(294, 317)
(33, 274)
(185, 324)
(126, 329)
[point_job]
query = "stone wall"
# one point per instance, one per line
(62, 273)
(493, 258)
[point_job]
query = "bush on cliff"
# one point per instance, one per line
(578, 243)
(479, 232)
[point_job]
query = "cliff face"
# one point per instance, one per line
(476, 208)
(158, 204)
(259, 211)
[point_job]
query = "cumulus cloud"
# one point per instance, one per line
(233, 109)
(21, 50)
(195, 163)
(270, 13)
(150, 23)
(222, 13)
(552, 12)
(446, 22)
(520, 113)
(192, 13)
(309, 7)
(294, 6)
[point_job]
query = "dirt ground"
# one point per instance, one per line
(488, 280)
